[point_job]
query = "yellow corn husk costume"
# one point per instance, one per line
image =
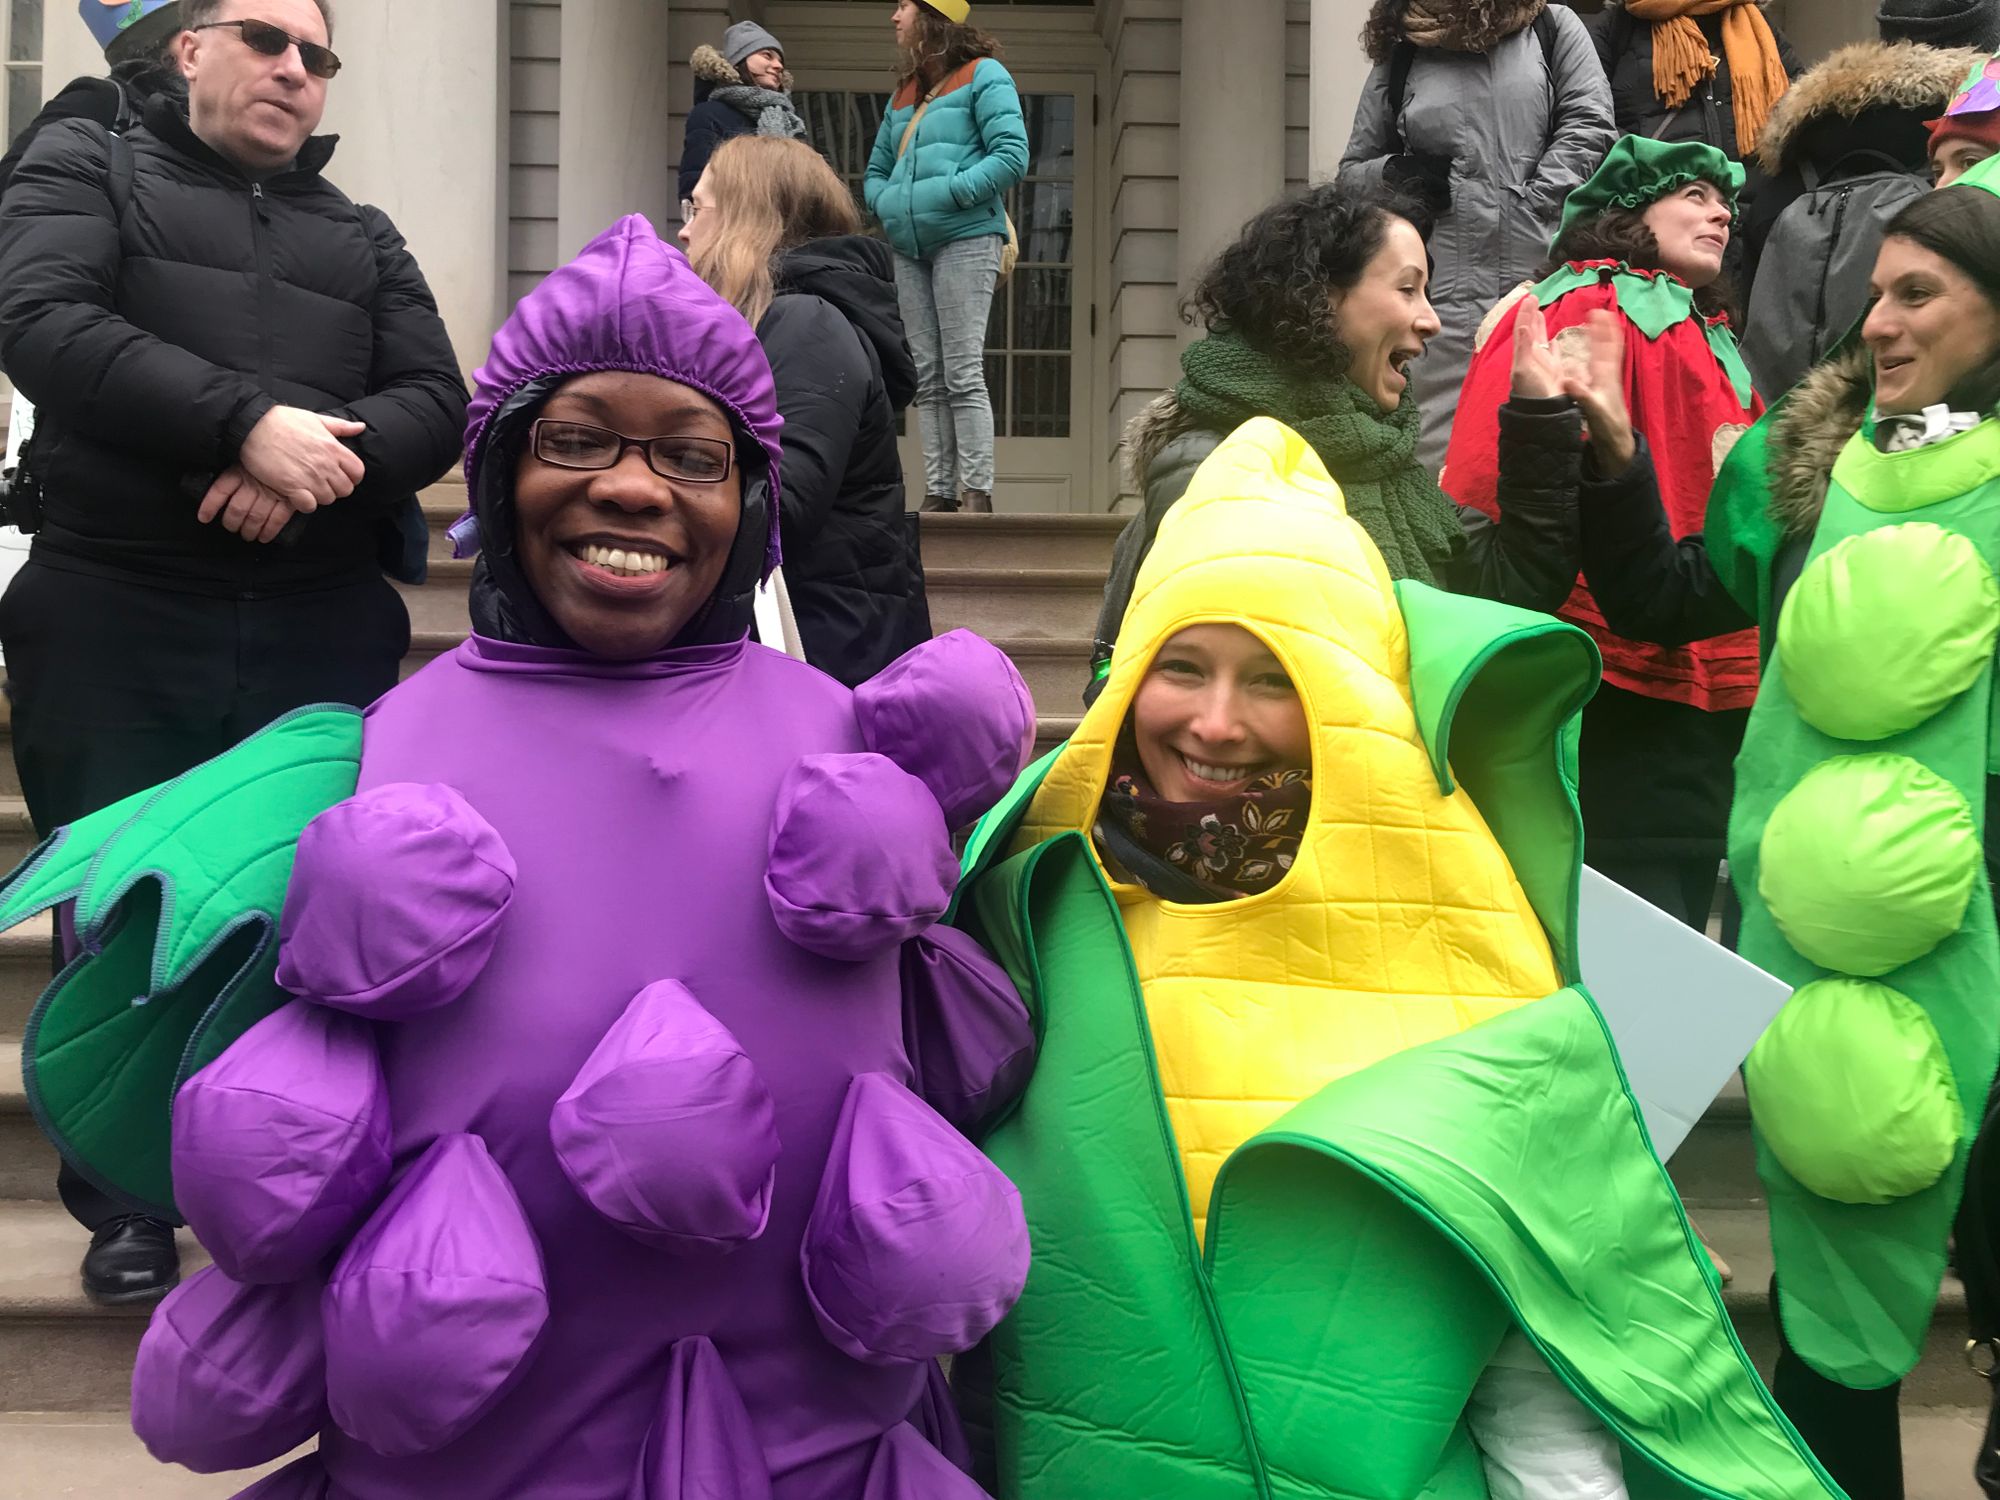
(1396, 927)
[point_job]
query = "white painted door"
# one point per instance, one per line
(1039, 360)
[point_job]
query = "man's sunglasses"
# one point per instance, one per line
(578, 445)
(271, 41)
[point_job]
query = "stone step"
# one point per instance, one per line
(1016, 603)
(440, 603)
(1055, 671)
(1020, 541)
(443, 503)
(60, 1352)
(996, 602)
(17, 834)
(1051, 730)
(24, 972)
(44, 1455)
(1051, 540)
(27, 1160)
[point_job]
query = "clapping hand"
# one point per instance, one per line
(1537, 373)
(1599, 389)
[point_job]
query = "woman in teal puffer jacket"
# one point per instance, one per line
(951, 145)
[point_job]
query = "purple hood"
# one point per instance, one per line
(630, 301)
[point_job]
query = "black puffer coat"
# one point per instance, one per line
(151, 341)
(834, 337)
(1625, 47)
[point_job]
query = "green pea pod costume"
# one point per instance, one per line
(177, 891)
(1856, 844)
(1368, 1248)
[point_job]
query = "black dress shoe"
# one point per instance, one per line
(131, 1260)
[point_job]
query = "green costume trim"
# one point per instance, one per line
(1498, 691)
(177, 894)
(1861, 1278)
(1653, 304)
(1360, 1271)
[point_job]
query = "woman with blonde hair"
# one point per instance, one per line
(776, 233)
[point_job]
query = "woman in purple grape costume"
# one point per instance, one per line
(610, 1148)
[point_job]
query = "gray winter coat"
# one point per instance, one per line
(1520, 135)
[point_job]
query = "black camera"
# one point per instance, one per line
(21, 495)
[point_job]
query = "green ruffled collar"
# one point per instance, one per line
(1654, 301)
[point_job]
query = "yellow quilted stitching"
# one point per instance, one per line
(1401, 921)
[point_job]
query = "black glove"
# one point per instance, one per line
(1422, 175)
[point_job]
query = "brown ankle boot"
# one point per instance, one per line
(938, 505)
(978, 502)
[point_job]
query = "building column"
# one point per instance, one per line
(1232, 125)
(421, 110)
(1338, 70)
(615, 119)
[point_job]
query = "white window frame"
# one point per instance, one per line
(25, 65)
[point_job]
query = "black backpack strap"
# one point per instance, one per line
(118, 179)
(1401, 60)
(1545, 33)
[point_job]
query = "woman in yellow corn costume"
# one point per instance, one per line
(1335, 1185)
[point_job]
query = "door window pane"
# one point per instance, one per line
(24, 31)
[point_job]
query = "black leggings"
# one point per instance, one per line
(1858, 1435)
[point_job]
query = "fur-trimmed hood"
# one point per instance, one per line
(1822, 412)
(713, 71)
(1901, 76)
(1147, 435)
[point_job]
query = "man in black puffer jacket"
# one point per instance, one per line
(834, 336)
(241, 382)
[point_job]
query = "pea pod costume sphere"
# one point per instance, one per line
(603, 1153)
(1437, 1139)
(1856, 842)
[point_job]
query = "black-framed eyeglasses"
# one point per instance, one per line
(271, 41)
(578, 445)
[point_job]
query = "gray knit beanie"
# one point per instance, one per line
(1941, 23)
(746, 37)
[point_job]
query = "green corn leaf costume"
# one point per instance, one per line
(177, 892)
(1367, 1250)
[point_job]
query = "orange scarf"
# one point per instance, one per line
(1681, 59)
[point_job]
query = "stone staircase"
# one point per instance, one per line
(1032, 585)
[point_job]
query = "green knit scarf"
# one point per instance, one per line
(1371, 456)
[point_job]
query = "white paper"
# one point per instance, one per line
(1684, 1011)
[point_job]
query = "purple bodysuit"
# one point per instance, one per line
(611, 1149)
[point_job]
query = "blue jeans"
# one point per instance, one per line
(945, 302)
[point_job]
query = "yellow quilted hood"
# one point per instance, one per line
(1401, 920)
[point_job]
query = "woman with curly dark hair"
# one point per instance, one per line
(1643, 245)
(1489, 112)
(1315, 316)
